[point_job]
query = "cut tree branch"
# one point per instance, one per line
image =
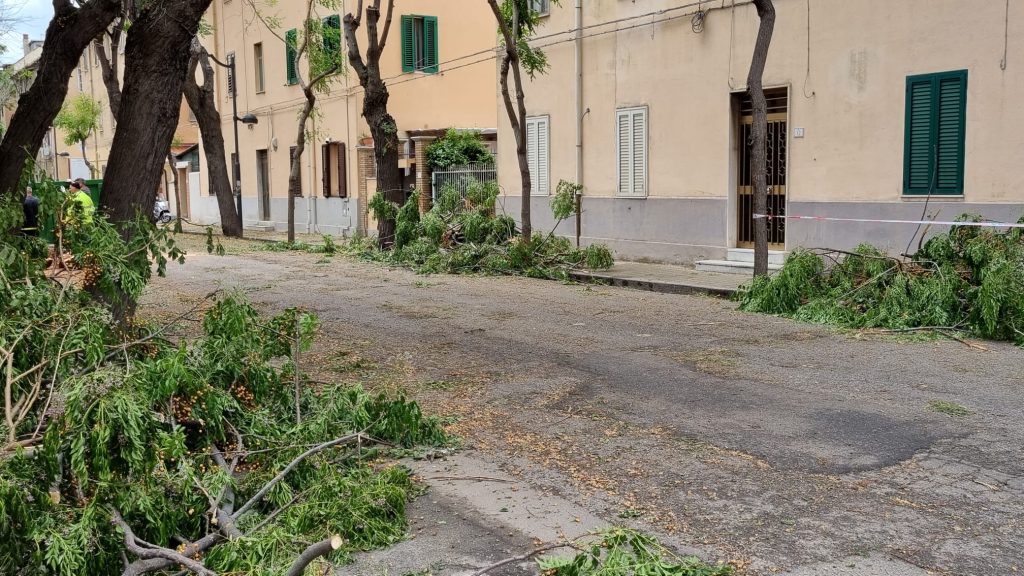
(314, 551)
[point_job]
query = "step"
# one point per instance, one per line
(747, 255)
(731, 266)
(263, 226)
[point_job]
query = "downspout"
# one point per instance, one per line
(579, 114)
(312, 183)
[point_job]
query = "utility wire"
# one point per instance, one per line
(492, 51)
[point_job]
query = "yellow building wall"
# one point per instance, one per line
(846, 82)
(462, 95)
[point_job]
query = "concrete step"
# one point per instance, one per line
(731, 267)
(263, 226)
(747, 255)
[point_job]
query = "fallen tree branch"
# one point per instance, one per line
(314, 551)
(298, 460)
(149, 551)
(527, 556)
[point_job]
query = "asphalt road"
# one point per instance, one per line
(778, 445)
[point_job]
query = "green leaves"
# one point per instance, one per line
(457, 148)
(967, 279)
(624, 552)
(78, 118)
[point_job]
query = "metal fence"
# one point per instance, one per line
(460, 177)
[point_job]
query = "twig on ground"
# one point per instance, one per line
(524, 557)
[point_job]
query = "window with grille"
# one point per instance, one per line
(297, 191)
(542, 7)
(933, 158)
(419, 44)
(631, 149)
(538, 145)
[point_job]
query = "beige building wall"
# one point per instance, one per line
(461, 95)
(845, 65)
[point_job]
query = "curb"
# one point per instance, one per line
(653, 285)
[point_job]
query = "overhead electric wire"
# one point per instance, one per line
(492, 52)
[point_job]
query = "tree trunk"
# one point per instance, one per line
(109, 66)
(295, 174)
(157, 57)
(85, 156)
(516, 111)
(759, 132)
(375, 107)
(69, 32)
(203, 102)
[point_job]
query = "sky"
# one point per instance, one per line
(30, 17)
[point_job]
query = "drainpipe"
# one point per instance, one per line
(579, 113)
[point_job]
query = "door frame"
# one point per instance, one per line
(733, 206)
(263, 186)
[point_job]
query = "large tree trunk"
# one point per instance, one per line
(109, 66)
(383, 127)
(203, 102)
(759, 132)
(516, 111)
(156, 60)
(69, 32)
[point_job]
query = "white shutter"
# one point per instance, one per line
(543, 178)
(531, 148)
(639, 153)
(631, 148)
(624, 151)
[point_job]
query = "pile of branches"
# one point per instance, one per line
(124, 451)
(969, 280)
(462, 234)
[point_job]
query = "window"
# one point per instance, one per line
(231, 77)
(332, 34)
(81, 85)
(257, 58)
(542, 7)
(291, 48)
(419, 44)
(291, 165)
(537, 153)
(933, 157)
(631, 126)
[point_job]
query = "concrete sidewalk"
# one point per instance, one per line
(666, 278)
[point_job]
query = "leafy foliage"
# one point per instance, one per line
(622, 552)
(456, 148)
(79, 118)
(194, 440)
(533, 59)
(464, 235)
(970, 279)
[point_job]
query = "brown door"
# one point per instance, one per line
(263, 184)
(183, 192)
(775, 166)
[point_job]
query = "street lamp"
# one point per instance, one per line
(248, 120)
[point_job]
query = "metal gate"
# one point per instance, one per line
(775, 168)
(460, 177)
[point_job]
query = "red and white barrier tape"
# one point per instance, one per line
(882, 221)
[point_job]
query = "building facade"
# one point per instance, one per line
(433, 86)
(878, 110)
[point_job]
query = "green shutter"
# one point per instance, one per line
(291, 39)
(430, 53)
(935, 130)
(332, 34)
(952, 99)
(408, 45)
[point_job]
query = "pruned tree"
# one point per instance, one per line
(79, 118)
(110, 63)
(202, 100)
(517, 22)
(156, 59)
(759, 133)
(73, 27)
(383, 127)
(320, 45)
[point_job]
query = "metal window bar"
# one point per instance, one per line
(460, 177)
